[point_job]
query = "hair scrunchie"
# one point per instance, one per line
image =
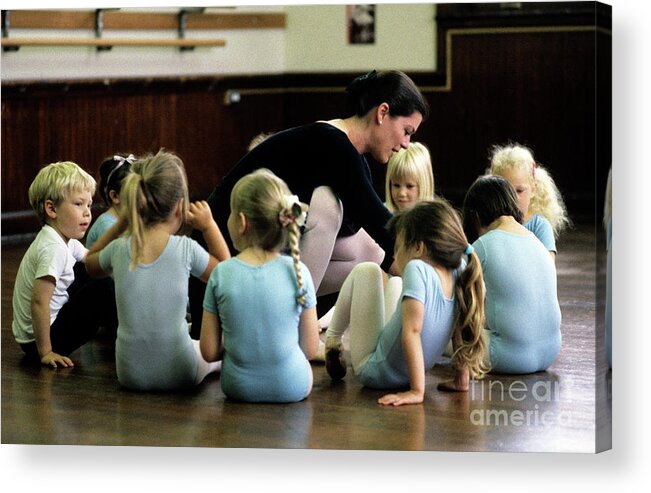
(292, 211)
(469, 249)
(360, 81)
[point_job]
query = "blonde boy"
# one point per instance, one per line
(47, 324)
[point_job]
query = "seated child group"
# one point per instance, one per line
(477, 285)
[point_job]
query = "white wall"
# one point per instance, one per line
(247, 51)
(314, 41)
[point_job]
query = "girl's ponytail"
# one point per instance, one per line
(152, 192)
(135, 205)
(470, 346)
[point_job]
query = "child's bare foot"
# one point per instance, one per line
(459, 384)
(451, 386)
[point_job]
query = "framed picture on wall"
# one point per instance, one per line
(361, 24)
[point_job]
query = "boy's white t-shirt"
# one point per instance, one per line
(48, 255)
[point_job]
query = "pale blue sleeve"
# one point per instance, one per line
(106, 257)
(198, 257)
(413, 281)
(543, 230)
(210, 296)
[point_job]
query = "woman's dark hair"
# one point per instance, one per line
(488, 198)
(391, 87)
(111, 173)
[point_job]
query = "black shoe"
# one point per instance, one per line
(335, 362)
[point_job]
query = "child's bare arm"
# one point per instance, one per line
(41, 296)
(92, 257)
(412, 326)
(200, 217)
(210, 341)
(308, 332)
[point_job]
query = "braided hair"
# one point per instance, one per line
(275, 216)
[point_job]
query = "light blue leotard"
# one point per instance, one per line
(543, 230)
(259, 317)
(153, 349)
(386, 368)
(101, 224)
(522, 309)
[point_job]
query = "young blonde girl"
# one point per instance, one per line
(260, 306)
(111, 173)
(538, 197)
(150, 266)
(409, 178)
(398, 331)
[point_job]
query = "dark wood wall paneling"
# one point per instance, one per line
(537, 88)
(527, 72)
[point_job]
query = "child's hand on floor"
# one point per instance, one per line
(55, 360)
(401, 398)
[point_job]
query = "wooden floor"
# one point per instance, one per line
(560, 410)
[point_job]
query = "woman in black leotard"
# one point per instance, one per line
(324, 164)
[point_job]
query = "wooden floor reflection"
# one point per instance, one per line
(560, 410)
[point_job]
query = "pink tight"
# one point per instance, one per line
(328, 258)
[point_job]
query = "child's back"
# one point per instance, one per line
(259, 317)
(153, 348)
(151, 267)
(522, 309)
(262, 304)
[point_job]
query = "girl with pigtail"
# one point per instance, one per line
(260, 306)
(153, 348)
(541, 203)
(399, 329)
